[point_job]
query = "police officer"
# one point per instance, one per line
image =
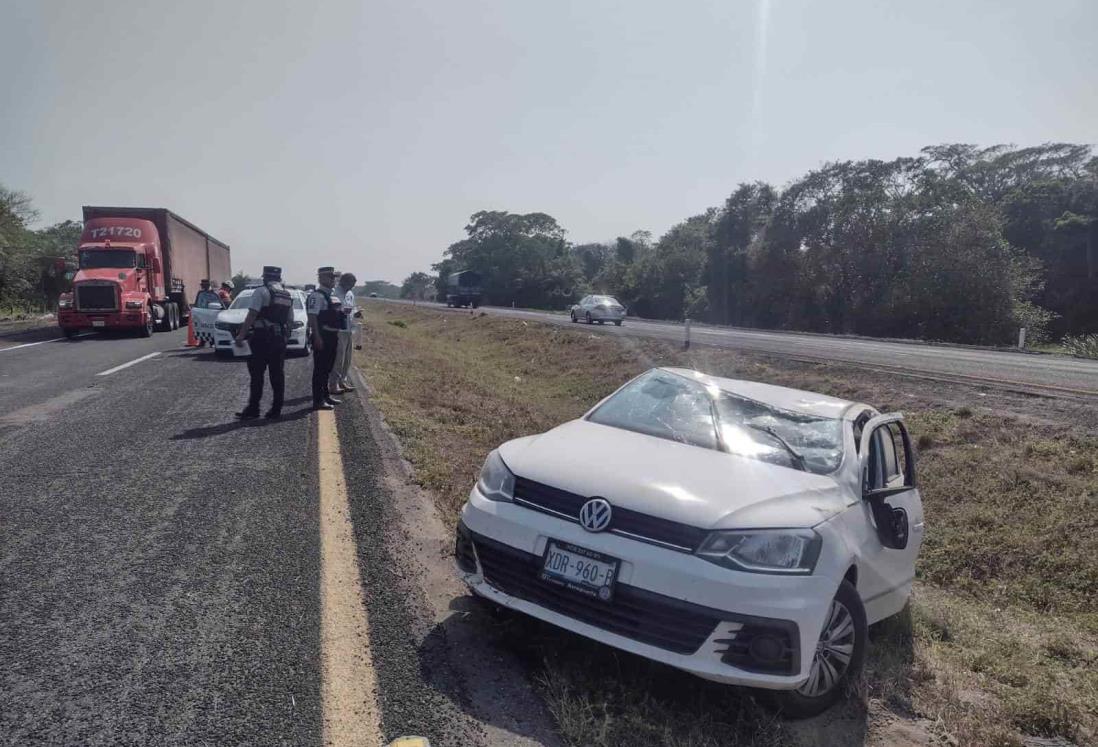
(206, 296)
(325, 310)
(270, 312)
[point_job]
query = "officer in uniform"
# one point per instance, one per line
(206, 296)
(270, 312)
(325, 310)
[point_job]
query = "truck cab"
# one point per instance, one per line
(120, 282)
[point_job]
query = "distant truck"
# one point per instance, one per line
(139, 268)
(463, 289)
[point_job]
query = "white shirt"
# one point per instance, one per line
(349, 308)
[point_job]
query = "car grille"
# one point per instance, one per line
(548, 499)
(95, 297)
(644, 616)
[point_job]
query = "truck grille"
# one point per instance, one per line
(644, 616)
(548, 499)
(96, 298)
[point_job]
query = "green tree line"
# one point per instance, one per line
(959, 243)
(30, 279)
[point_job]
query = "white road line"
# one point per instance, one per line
(349, 705)
(109, 371)
(43, 342)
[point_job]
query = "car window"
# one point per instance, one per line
(241, 301)
(887, 467)
(664, 405)
(743, 425)
(299, 305)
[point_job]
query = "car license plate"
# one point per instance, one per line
(579, 569)
(98, 323)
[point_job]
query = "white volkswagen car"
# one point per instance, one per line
(599, 309)
(743, 532)
(229, 321)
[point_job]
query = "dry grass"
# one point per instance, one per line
(1002, 638)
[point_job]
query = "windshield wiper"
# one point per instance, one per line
(798, 458)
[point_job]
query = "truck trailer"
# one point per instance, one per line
(463, 289)
(139, 268)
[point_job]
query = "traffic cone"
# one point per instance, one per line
(192, 341)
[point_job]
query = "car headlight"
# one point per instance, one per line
(64, 303)
(784, 551)
(298, 325)
(134, 304)
(496, 482)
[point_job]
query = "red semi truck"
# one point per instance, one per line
(138, 269)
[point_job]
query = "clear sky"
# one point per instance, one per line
(363, 134)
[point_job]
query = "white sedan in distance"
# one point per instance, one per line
(743, 532)
(599, 309)
(229, 321)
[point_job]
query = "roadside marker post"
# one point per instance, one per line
(686, 337)
(1022, 338)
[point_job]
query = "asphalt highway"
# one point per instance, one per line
(1030, 373)
(167, 572)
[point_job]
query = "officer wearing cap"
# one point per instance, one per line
(206, 296)
(325, 310)
(225, 293)
(267, 327)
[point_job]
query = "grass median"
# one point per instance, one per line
(1001, 639)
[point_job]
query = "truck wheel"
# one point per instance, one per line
(173, 317)
(150, 325)
(164, 324)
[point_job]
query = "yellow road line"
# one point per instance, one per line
(349, 687)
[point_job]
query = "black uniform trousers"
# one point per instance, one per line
(268, 355)
(323, 362)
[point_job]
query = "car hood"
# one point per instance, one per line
(688, 484)
(232, 316)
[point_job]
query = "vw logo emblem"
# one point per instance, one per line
(595, 515)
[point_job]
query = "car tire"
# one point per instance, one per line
(617, 323)
(589, 318)
(845, 626)
(223, 353)
(574, 316)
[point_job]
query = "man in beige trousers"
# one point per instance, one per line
(340, 379)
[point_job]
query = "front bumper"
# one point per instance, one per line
(669, 606)
(223, 340)
(72, 319)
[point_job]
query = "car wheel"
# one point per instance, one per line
(617, 323)
(839, 656)
(589, 318)
(573, 316)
